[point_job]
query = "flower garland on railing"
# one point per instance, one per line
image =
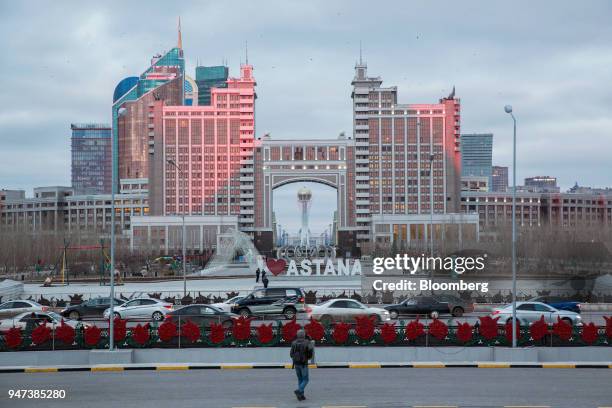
(364, 331)
(65, 333)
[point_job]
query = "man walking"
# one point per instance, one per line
(302, 350)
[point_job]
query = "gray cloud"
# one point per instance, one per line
(549, 59)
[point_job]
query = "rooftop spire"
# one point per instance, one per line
(246, 51)
(180, 37)
(360, 56)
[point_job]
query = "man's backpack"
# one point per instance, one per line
(300, 352)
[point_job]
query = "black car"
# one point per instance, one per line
(202, 315)
(288, 301)
(89, 308)
(426, 305)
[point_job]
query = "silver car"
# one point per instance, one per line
(15, 307)
(141, 308)
(529, 312)
(29, 320)
(345, 310)
(227, 305)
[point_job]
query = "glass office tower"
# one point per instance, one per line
(91, 158)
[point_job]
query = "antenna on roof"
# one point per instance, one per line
(360, 54)
(246, 51)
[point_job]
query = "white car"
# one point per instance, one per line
(142, 308)
(529, 312)
(29, 320)
(227, 305)
(15, 307)
(345, 310)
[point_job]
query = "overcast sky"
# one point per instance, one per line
(552, 60)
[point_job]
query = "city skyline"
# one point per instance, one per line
(75, 83)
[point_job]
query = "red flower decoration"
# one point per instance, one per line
(217, 333)
(414, 330)
(562, 329)
(365, 327)
(119, 329)
(438, 329)
(13, 337)
(141, 334)
(41, 334)
(388, 333)
(289, 331)
(315, 330)
(464, 332)
(341, 332)
(241, 329)
(265, 333)
(488, 327)
(589, 333)
(608, 326)
(190, 331)
(508, 331)
(167, 331)
(65, 333)
(92, 335)
(538, 329)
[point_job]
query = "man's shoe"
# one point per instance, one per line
(298, 395)
(301, 397)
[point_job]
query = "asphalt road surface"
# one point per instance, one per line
(372, 388)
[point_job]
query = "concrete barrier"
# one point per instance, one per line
(324, 355)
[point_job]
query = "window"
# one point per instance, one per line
(526, 307)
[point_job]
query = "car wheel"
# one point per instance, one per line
(117, 315)
(289, 313)
(245, 312)
(74, 315)
(568, 321)
(509, 321)
(325, 320)
(434, 315)
(376, 319)
(158, 316)
(457, 311)
(394, 314)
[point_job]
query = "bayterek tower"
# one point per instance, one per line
(304, 196)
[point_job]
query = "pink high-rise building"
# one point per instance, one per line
(213, 148)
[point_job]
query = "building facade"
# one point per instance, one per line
(208, 78)
(565, 210)
(477, 155)
(499, 179)
(544, 184)
(91, 151)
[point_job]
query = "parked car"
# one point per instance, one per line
(345, 310)
(14, 307)
(29, 320)
(202, 315)
(141, 308)
(228, 304)
(288, 301)
(440, 304)
(90, 308)
(558, 303)
(529, 312)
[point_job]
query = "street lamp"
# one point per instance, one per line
(508, 109)
(182, 174)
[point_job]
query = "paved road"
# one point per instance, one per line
(373, 388)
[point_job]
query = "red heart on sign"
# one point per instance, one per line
(276, 266)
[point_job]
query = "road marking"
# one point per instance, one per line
(364, 365)
(41, 370)
(428, 365)
(107, 368)
(493, 365)
(236, 366)
(558, 365)
(172, 367)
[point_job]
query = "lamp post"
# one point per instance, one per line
(182, 174)
(508, 109)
